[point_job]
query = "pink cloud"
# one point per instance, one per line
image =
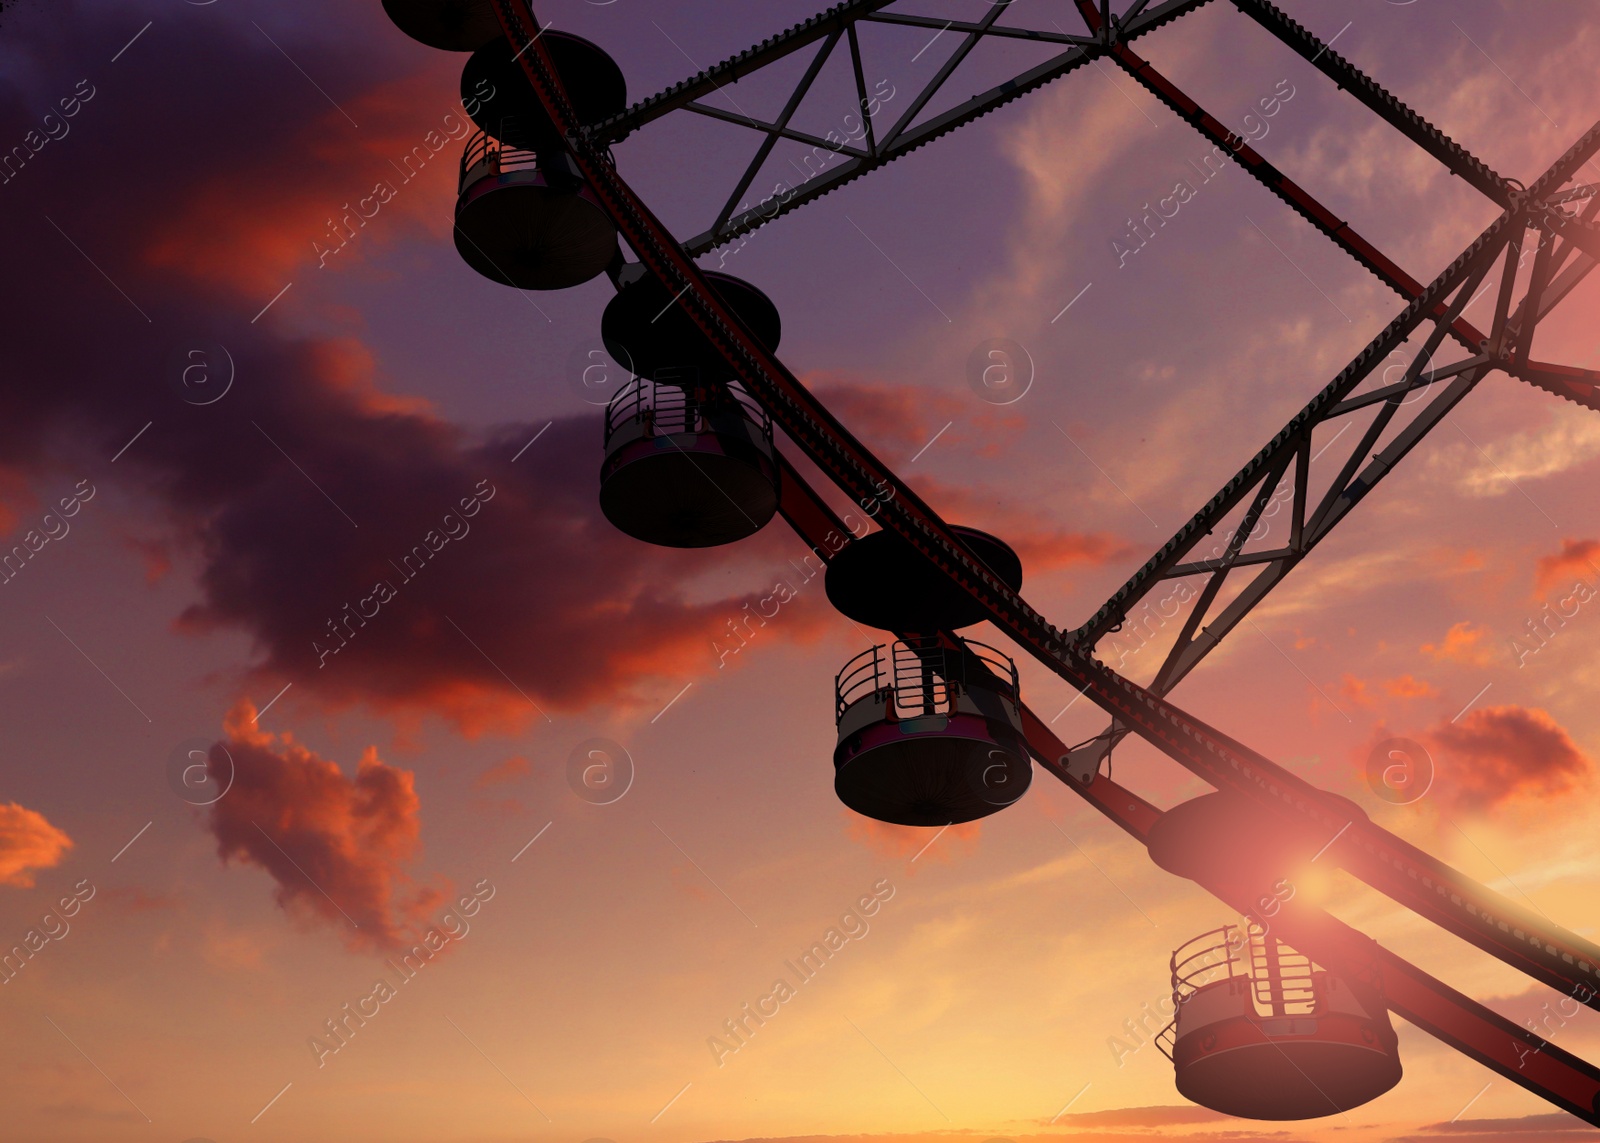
(1575, 561)
(337, 847)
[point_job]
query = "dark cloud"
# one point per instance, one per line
(307, 493)
(326, 516)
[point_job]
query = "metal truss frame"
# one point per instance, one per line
(1555, 273)
(1108, 37)
(829, 27)
(1431, 889)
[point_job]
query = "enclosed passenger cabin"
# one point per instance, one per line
(515, 228)
(497, 94)
(929, 734)
(644, 325)
(524, 217)
(449, 25)
(689, 459)
(687, 465)
(882, 581)
(1261, 1032)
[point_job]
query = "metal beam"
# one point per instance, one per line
(1514, 1052)
(1285, 188)
(1455, 158)
(902, 138)
(1344, 494)
(1001, 30)
(1534, 946)
(1292, 436)
(713, 79)
(786, 199)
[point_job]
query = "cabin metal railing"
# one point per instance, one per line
(920, 687)
(663, 408)
(923, 676)
(487, 157)
(1203, 960)
(1166, 1039)
(1281, 981)
(858, 678)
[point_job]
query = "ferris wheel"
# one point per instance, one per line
(1285, 1016)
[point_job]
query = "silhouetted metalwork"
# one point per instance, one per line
(939, 669)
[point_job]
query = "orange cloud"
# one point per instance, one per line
(1355, 692)
(1575, 561)
(336, 847)
(156, 555)
(256, 222)
(893, 420)
(897, 421)
(1408, 687)
(1160, 1116)
(1360, 693)
(909, 841)
(27, 842)
(511, 769)
(1461, 644)
(1042, 549)
(1505, 754)
(16, 497)
(1465, 559)
(1054, 550)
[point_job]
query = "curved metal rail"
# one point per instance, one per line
(924, 673)
(1556, 956)
(1542, 950)
(484, 156)
(671, 408)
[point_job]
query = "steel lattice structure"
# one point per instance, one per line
(1555, 210)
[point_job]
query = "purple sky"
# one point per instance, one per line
(210, 146)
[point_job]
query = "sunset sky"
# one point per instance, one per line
(195, 540)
